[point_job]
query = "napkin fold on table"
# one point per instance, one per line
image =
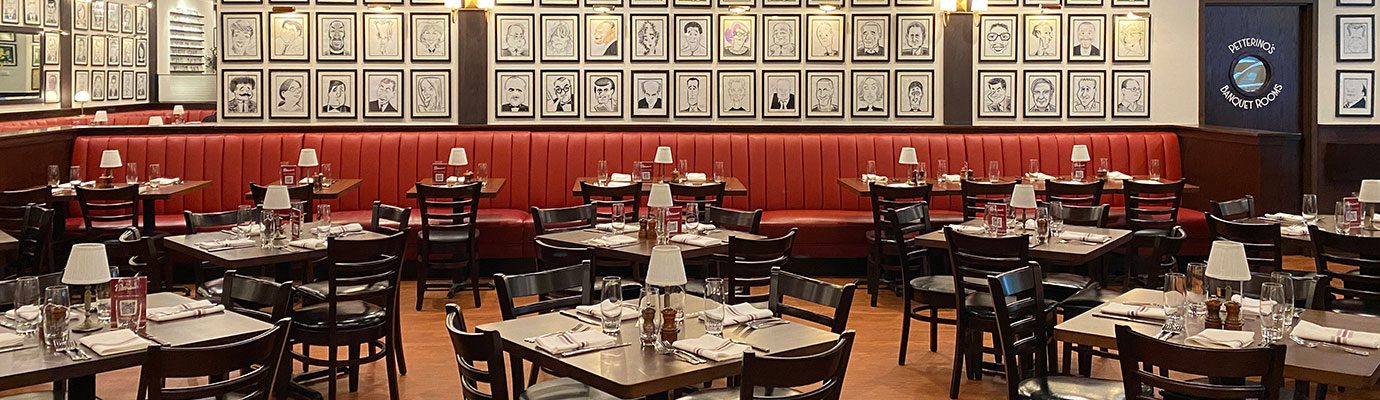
(1249, 306)
(1134, 311)
(968, 229)
(251, 230)
(612, 240)
(593, 311)
(1148, 181)
(1043, 176)
(1221, 339)
(30, 311)
(712, 347)
(165, 181)
(184, 310)
(566, 341)
(8, 339)
(338, 229)
(608, 227)
(1311, 331)
(1085, 237)
(949, 178)
(696, 240)
(744, 312)
(1284, 218)
(309, 244)
(115, 342)
(1119, 176)
(872, 178)
(696, 177)
(227, 244)
(617, 177)
(68, 185)
(1294, 230)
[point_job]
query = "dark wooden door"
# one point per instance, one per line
(1253, 66)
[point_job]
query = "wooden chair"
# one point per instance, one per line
(882, 265)
(1232, 210)
(924, 291)
(727, 218)
(207, 287)
(748, 264)
(1359, 292)
(350, 317)
(486, 347)
(304, 194)
(976, 195)
(547, 286)
(1024, 332)
(1094, 216)
(603, 197)
(1086, 194)
(147, 258)
(1264, 248)
(387, 219)
(258, 359)
(261, 299)
(1141, 354)
(708, 194)
(7, 288)
(551, 257)
(1149, 256)
(1152, 208)
(840, 298)
(34, 251)
(106, 212)
(562, 219)
(13, 203)
(973, 259)
(449, 229)
(818, 376)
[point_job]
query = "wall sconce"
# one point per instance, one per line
(603, 9)
(828, 7)
(377, 7)
(484, 4)
(1133, 15)
(962, 6)
(454, 5)
(283, 10)
(739, 9)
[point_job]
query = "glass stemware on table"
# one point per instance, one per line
(692, 218)
(27, 305)
(715, 291)
(54, 175)
(603, 175)
(155, 173)
(611, 307)
(1175, 304)
(1197, 289)
(1310, 208)
(1274, 319)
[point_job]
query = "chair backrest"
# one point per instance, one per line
(823, 372)
(603, 197)
(388, 218)
(885, 198)
(1085, 194)
(1153, 255)
(1152, 205)
(977, 257)
(1232, 210)
(1264, 248)
(544, 284)
(304, 194)
(727, 218)
(573, 218)
(371, 263)
(448, 208)
(905, 254)
(749, 263)
(551, 256)
(1094, 216)
(199, 222)
(257, 359)
(146, 256)
(708, 194)
(1141, 353)
(840, 298)
(35, 243)
(251, 296)
(1352, 251)
(474, 348)
(976, 195)
(109, 209)
(1022, 329)
(7, 287)
(12, 203)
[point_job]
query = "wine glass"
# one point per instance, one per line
(1287, 282)
(714, 292)
(74, 176)
(1310, 208)
(603, 174)
(611, 308)
(1272, 312)
(942, 168)
(27, 305)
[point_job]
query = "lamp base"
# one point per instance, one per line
(105, 181)
(90, 322)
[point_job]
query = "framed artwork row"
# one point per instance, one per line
(101, 16)
(1043, 38)
(327, 94)
(338, 36)
(111, 85)
(707, 3)
(109, 50)
(1058, 94)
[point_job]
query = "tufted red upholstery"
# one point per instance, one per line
(793, 177)
(120, 118)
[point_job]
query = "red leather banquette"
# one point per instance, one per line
(120, 118)
(793, 177)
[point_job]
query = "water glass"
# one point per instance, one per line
(56, 305)
(603, 174)
(1339, 224)
(1175, 287)
(719, 175)
(74, 175)
(993, 171)
(1034, 167)
(54, 175)
(1287, 282)
(155, 173)
(1155, 169)
(326, 175)
(323, 214)
(942, 167)
(692, 220)
(922, 173)
(682, 166)
(1197, 289)
(1310, 208)
(481, 172)
(1272, 314)
(993, 221)
(871, 169)
(1104, 165)
(611, 308)
(244, 218)
(27, 305)
(715, 290)
(637, 172)
(132, 173)
(1056, 218)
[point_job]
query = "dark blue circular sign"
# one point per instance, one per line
(1250, 74)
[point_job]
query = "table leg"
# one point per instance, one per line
(82, 388)
(150, 214)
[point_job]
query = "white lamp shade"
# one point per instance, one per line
(86, 265)
(277, 198)
(1080, 153)
(454, 4)
(458, 157)
(155, 120)
(661, 196)
(485, 4)
(977, 5)
(178, 110)
(663, 155)
(111, 159)
(908, 156)
(82, 96)
(1370, 191)
(1227, 261)
(948, 5)
(666, 268)
(1023, 196)
(101, 116)
(307, 158)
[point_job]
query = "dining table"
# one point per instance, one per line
(148, 197)
(1061, 252)
(1318, 365)
(254, 256)
(34, 364)
(337, 189)
(732, 186)
(8, 242)
(1112, 186)
(490, 189)
(637, 371)
(641, 251)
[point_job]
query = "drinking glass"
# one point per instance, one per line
(74, 176)
(1155, 169)
(1288, 305)
(1056, 218)
(715, 289)
(719, 171)
(637, 172)
(1339, 224)
(617, 223)
(132, 173)
(992, 221)
(943, 167)
(54, 175)
(155, 173)
(1272, 315)
(326, 175)
(244, 220)
(603, 174)
(1104, 165)
(323, 214)
(56, 305)
(103, 297)
(27, 305)
(683, 166)
(871, 170)
(1034, 167)
(1197, 289)
(481, 172)
(1310, 208)
(993, 171)
(1175, 286)
(611, 308)
(692, 220)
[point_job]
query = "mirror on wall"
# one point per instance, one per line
(21, 67)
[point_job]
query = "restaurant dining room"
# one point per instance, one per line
(689, 199)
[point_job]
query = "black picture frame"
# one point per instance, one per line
(1013, 22)
(620, 94)
(1370, 35)
(1014, 95)
(351, 79)
(1072, 41)
(1145, 95)
(902, 30)
(402, 38)
(307, 95)
(444, 75)
(634, 31)
(352, 32)
(258, 23)
(635, 90)
(768, 100)
(401, 85)
(1346, 3)
(752, 93)
(1057, 86)
(576, 89)
(706, 22)
(499, 82)
(815, 111)
(706, 80)
(724, 53)
(1149, 38)
(621, 37)
(858, 21)
(576, 37)
(499, 32)
(228, 75)
(903, 91)
(1338, 104)
(415, 36)
(1059, 40)
(854, 88)
(1070, 95)
(767, 35)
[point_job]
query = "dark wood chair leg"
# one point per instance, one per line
(905, 332)
(873, 279)
(422, 274)
(515, 365)
(396, 345)
(354, 368)
(959, 351)
(934, 329)
(392, 374)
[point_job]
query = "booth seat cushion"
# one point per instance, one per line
(823, 233)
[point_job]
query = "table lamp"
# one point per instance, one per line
(179, 114)
(307, 159)
(1080, 161)
(155, 120)
(666, 272)
(1227, 262)
(101, 118)
(1369, 195)
(110, 159)
(276, 199)
(81, 98)
(663, 156)
(1023, 197)
(908, 158)
(87, 266)
(660, 202)
(458, 159)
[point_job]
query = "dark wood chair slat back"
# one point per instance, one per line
(106, 209)
(562, 219)
(1140, 353)
(727, 218)
(260, 356)
(1263, 243)
(1232, 210)
(471, 349)
(257, 298)
(1152, 206)
(1094, 216)
(604, 197)
(976, 195)
(976, 257)
(1022, 326)
(303, 194)
(448, 208)
(749, 263)
(35, 243)
(200, 222)
(788, 285)
(709, 194)
(823, 372)
(1087, 194)
(544, 284)
(7, 288)
(1347, 250)
(373, 263)
(13, 203)
(389, 218)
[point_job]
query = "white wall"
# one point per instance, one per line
(1328, 64)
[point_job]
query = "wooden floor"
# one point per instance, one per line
(872, 374)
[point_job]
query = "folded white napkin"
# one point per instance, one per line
(1119, 176)
(696, 240)
(185, 310)
(1249, 306)
(251, 230)
(613, 240)
(608, 227)
(1134, 311)
(455, 180)
(115, 342)
(1285, 218)
(1148, 181)
(10, 339)
(871, 178)
(1312, 331)
(706, 227)
(338, 229)
(1043, 176)
(712, 347)
(227, 244)
(900, 184)
(1294, 230)
(305, 180)
(566, 341)
(593, 311)
(1084, 236)
(309, 244)
(743, 312)
(696, 177)
(68, 185)
(968, 229)
(949, 178)
(617, 177)
(165, 181)
(1221, 339)
(31, 312)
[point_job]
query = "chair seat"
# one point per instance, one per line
(1070, 388)
(448, 236)
(981, 304)
(1355, 306)
(935, 284)
(733, 393)
(1091, 298)
(349, 315)
(318, 289)
(563, 389)
(212, 289)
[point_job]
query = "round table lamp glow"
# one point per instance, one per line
(276, 199)
(155, 120)
(660, 202)
(307, 159)
(1080, 160)
(666, 273)
(663, 157)
(908, 158)
(87, 266)
(1369, 196)
(110, 159)
(1226, 262)
(1023, 197)
(101, 118)
(458, 158)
